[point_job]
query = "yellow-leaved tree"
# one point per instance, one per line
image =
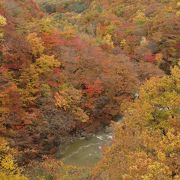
(46, 63)
(146, 144)
(36, 44)
(32, 79)
(69, 99)
(8, 167)
(3, 22)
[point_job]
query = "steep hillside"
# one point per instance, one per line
(55, 83)
(141, 29)
(69, 68)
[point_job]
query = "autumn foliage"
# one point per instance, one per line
(146, 143)
(69, 68)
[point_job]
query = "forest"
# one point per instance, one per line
(89, 90)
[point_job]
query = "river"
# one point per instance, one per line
(86, 151)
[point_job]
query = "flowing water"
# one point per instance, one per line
(86, 151)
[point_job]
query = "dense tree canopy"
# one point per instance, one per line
(70, 68)
(146, 144)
